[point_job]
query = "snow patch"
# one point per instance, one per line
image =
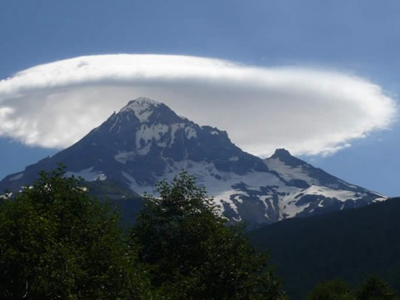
(142, 107)
(6, 195)
(148, 134)
(220, 185)
(124, 157)
(88, 174)
(341, 195)
(288, 173)
(16, 177)
(279, 200)
(190, 132)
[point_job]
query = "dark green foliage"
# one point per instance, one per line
(331, 290)
(374, 288)
(191, 252)
(349, 244)
(119, 197)
(56, 242)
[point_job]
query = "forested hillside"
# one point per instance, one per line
(348, 245)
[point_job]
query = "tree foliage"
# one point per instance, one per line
(58, 242)
(331, 290)
(374, 288)
(191, 252)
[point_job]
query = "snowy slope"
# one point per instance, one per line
(146, 142)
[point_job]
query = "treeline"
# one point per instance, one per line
(372, 288)
(350, 245)
(58, 242)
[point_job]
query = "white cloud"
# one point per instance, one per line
(306, 111)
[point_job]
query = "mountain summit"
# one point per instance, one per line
(146, 142)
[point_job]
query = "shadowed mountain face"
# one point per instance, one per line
(146, 142)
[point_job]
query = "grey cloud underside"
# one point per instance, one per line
(146, 142)
(307, 111)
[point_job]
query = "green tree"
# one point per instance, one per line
(374, 288)
(57, 242)
(192, 254)
(331, 290)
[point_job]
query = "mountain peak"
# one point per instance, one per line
(281, 153)
(284, 156)
(142, 101)
(142, 107)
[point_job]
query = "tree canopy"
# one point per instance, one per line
(191, 252)
(372, 288)
(58, 242)
(331, 290)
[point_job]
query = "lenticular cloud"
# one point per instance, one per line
(306, 111)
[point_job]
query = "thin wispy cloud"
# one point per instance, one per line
(304, 110)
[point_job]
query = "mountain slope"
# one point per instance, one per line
(146, 142)
(316, 191)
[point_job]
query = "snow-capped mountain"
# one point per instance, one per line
(146, 142)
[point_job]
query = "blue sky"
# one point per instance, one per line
(355, 38)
